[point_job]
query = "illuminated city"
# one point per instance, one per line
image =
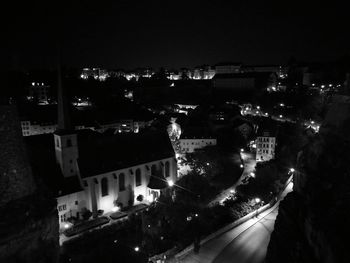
(198, 131)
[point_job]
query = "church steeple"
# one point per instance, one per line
(64, 122)
(66, 143)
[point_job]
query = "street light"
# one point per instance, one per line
(242, 150)
(292, 170)
(170, 183)
(241, 166)
(257, 201)
(252, 174)
(137, 249)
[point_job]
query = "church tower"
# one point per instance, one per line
(66, 144)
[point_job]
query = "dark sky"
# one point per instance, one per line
(130, 34)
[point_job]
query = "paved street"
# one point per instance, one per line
(245, 243)
(249, 166)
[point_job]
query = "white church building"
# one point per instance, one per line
(87, 170)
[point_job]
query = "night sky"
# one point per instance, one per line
(174, 34)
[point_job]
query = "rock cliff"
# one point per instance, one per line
(28, 218)
(312, 224)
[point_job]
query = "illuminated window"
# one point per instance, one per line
(122, 182)
(138, 177)
(104, 186)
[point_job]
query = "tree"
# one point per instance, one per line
(193, 187)
(263, 184)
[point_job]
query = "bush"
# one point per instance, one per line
(139, 198)
(86, 214)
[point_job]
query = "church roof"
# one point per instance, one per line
(252, 75)
(100, 153)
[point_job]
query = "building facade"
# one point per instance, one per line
(189, 145)
(115, 189)
(265, 147)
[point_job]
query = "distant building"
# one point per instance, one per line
(40, 92)
(30, 128)
(95, 73)
(228, 68)
(265, 146)
(196, 138)
(280, 71)
(209, 73)
(244, 81)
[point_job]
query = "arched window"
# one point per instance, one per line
(153, 169)
(167, 169)
(69, 143)
(104, 186)
(138, 177)
(121, 182)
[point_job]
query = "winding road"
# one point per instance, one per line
(245, 243)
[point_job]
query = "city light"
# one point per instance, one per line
(292, 170)
(241, 166)
(150, 198)
(232, 191)
(252, 174)
(137, 249)
(170, 183)
(66, 226)
(115, 209)
(257, 200)
(242, 150)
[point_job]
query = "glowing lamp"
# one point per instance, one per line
(170, 183)
(257, 200)
(137, 249)
(115, 209)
